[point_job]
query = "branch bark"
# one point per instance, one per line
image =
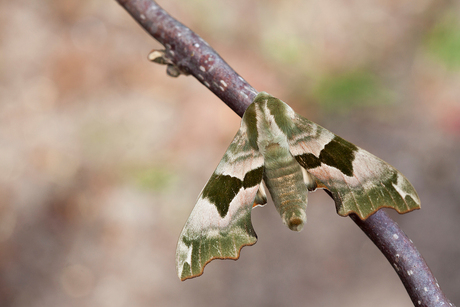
(192, 55)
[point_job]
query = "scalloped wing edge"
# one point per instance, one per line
(359, 182)
(206, 237)
(220, 223)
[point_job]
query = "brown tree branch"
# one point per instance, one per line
(406, 260)
(192, 55)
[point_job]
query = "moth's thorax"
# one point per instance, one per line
(267, 121)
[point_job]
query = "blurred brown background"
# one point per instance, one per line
(102, 155)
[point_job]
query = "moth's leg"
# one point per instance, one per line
(310, 181)
(261, 196)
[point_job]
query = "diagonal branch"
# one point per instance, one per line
(190, 54)
(406, 260)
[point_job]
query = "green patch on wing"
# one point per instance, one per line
(340, 154)
(308, 161)
(253, 177)
(337, 153)
(220, 190)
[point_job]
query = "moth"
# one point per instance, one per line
(293, 156)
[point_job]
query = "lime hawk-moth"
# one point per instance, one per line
(292, 155)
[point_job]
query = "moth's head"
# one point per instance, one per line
(276, 112)
(275, 105)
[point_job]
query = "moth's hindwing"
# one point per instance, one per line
(358, 181)
(220, 224)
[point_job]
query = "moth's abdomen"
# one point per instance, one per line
(284, 180)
